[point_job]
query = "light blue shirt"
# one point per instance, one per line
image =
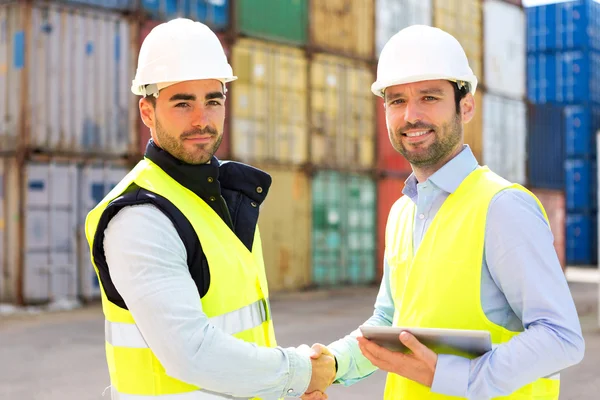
(523, 289)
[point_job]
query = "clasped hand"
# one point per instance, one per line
(323, 373)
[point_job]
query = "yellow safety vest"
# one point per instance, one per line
(236, 301)
(440, 285)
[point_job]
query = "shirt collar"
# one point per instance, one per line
(449, 177)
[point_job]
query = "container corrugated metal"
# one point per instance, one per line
(451, 16)
(344, 233)
(504, 48)
(269, 114)
(388, 159)
(50, 263)
(562, 26)
(95, 181)
(343, 113)
(12, 222)
(505, 137)
(63, 51)
(473, 131)
(143, 131)
(121, 5)
(285, 229)
(581, 124)
(389, 190)
(579, 185)
(343, 27)
(554, 205)
(214, 13)
(393, 15)
(287, 20)
(541, 77)
(3, 257)
(546, 146)
(581, 239)
(12, 62)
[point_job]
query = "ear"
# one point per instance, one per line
(467, 108)
(147, 113)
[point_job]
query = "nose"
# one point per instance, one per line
(412, 112)
(200, 118)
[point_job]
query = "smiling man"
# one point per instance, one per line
(177, 248)
(465, 249)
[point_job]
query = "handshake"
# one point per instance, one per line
(323, 371)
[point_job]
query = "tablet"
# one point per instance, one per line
(442, 341)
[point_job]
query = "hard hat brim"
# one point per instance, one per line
(378, 87)
(138, 88)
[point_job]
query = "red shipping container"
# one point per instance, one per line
(388, 191)
(144, 132)
(388, 159)
(554, 204)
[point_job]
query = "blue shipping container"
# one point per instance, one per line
(546, 146)
(581, 239)
(214, 13)
(579, 185)
(564, 77)
(109, 4)
(582, 123)
(563, 26)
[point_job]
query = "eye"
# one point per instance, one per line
(182, 105)
(430, 98)
(397, 101)
(214, 103)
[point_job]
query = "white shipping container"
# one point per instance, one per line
(504, 48)
(50, 264)
(77, 63)
(504, 137)
(95, 182)
(393, 15)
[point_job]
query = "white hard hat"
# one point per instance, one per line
(422, 53)
(179, 50)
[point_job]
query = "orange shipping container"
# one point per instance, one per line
(554, 204)
(342, 112)
(462, 19)
(344, 27)
(269, 107)
(285, 227)
(144, 132)
(388, 191)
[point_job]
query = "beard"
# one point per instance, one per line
(446, 138)
(200, 153)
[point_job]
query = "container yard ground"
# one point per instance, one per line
(60, 356)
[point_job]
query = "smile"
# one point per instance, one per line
(416, 134)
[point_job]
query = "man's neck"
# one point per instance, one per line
(422, 173)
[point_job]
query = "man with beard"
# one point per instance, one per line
(465, 249)
(177, 249)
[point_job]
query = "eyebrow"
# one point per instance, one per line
(192, 97)
(437, 91)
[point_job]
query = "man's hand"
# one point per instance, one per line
(323, 373)
(418, 366)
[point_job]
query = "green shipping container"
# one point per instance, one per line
(287, 20)
(344, 232)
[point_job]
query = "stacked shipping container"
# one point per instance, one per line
(563, 84)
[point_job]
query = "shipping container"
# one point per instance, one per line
(285, 228)
(287, 20)
(11, 244)
(343, 229)
(554, 205)
(343, 27)
(342, 113)
(94, 182)
(504, 48)
(546, 146)
(78, 71)
(269, 107)
(394, 15)
(517, 3)
(462, 19)
(214, 13)
(388, 158)
(563, 26)
(579, 181)
(582, 239)
(473, 131)
(581, 124)
(389, 189)
(143, 131)
(541, 78)
(3, 255)
(505, 137)
(50, 225)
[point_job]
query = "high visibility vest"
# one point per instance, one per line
(236, 301)
(439, 286)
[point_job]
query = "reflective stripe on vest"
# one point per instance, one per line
(128, 335)
(195, 395)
